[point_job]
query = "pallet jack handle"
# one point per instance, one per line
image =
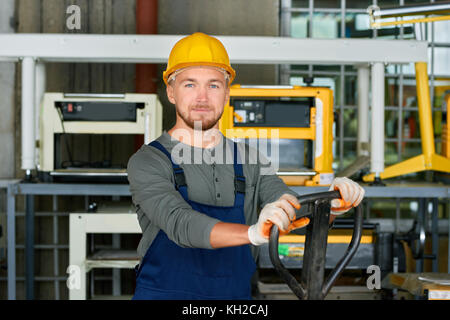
(298, 288)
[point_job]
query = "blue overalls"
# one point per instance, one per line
(171, 272)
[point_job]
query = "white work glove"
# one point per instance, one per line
(280, 213)
(351, 195)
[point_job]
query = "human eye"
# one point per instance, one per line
(188, 85)
(213, 86)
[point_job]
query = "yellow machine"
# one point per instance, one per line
(299, 119)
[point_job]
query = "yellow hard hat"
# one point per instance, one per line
(198, 49)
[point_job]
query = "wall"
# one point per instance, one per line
(7, 76)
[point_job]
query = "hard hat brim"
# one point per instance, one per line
(227, 68)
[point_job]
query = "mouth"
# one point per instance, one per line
(201, 110)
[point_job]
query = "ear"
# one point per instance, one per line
(170, 93)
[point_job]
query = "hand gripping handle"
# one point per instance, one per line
(296, 287)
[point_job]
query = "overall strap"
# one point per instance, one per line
(239, 179)
(180, 179)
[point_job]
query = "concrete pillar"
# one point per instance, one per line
(7, 81)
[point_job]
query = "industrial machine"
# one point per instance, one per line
(92, 136)
(294, 122)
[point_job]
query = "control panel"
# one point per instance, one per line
(98, 111)
(271, 113)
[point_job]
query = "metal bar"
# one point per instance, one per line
(45, 214)
(350, 252)
(389, 192)
(421, 213)
(116, 277)
(415, 109)
(11, 225)
(39, 278)
(241, 49)
(341, 118)
(285, 24)
(40, 85)
(417, 140)
(440, 191)
(441, 44)
(435, 235)
(363, 83)
(397, 215)
(448, 236)
(55, 242)
(387, 225)
(377, 124)
(315, 251)
(400, 115)
(28, 113)
(400, 100)
(73, 189)
(432, 65)
(374, 30)
(408, 21)
(325, 10)
(29, 246)
(59, 279)
(355, 74)
(310, 30)
(416, 9)
(342, 93)
(425, 114)
(343, 10)
(95, 95)
(309, 34)
(290, 280)
(45, 246)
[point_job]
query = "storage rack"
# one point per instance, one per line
(421, 192)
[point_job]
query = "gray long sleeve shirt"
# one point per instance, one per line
(210, 180)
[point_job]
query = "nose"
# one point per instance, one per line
(202, 94)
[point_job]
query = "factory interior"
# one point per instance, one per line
(330, 88)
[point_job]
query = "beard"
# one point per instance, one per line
(203, 123)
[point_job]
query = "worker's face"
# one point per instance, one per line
(199, 95)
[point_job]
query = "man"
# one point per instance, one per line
(199, 218)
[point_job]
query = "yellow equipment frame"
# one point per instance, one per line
(446, 129)
(376, 24)
(320, 130)
(428, 160)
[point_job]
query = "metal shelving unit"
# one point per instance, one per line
(423, 192)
